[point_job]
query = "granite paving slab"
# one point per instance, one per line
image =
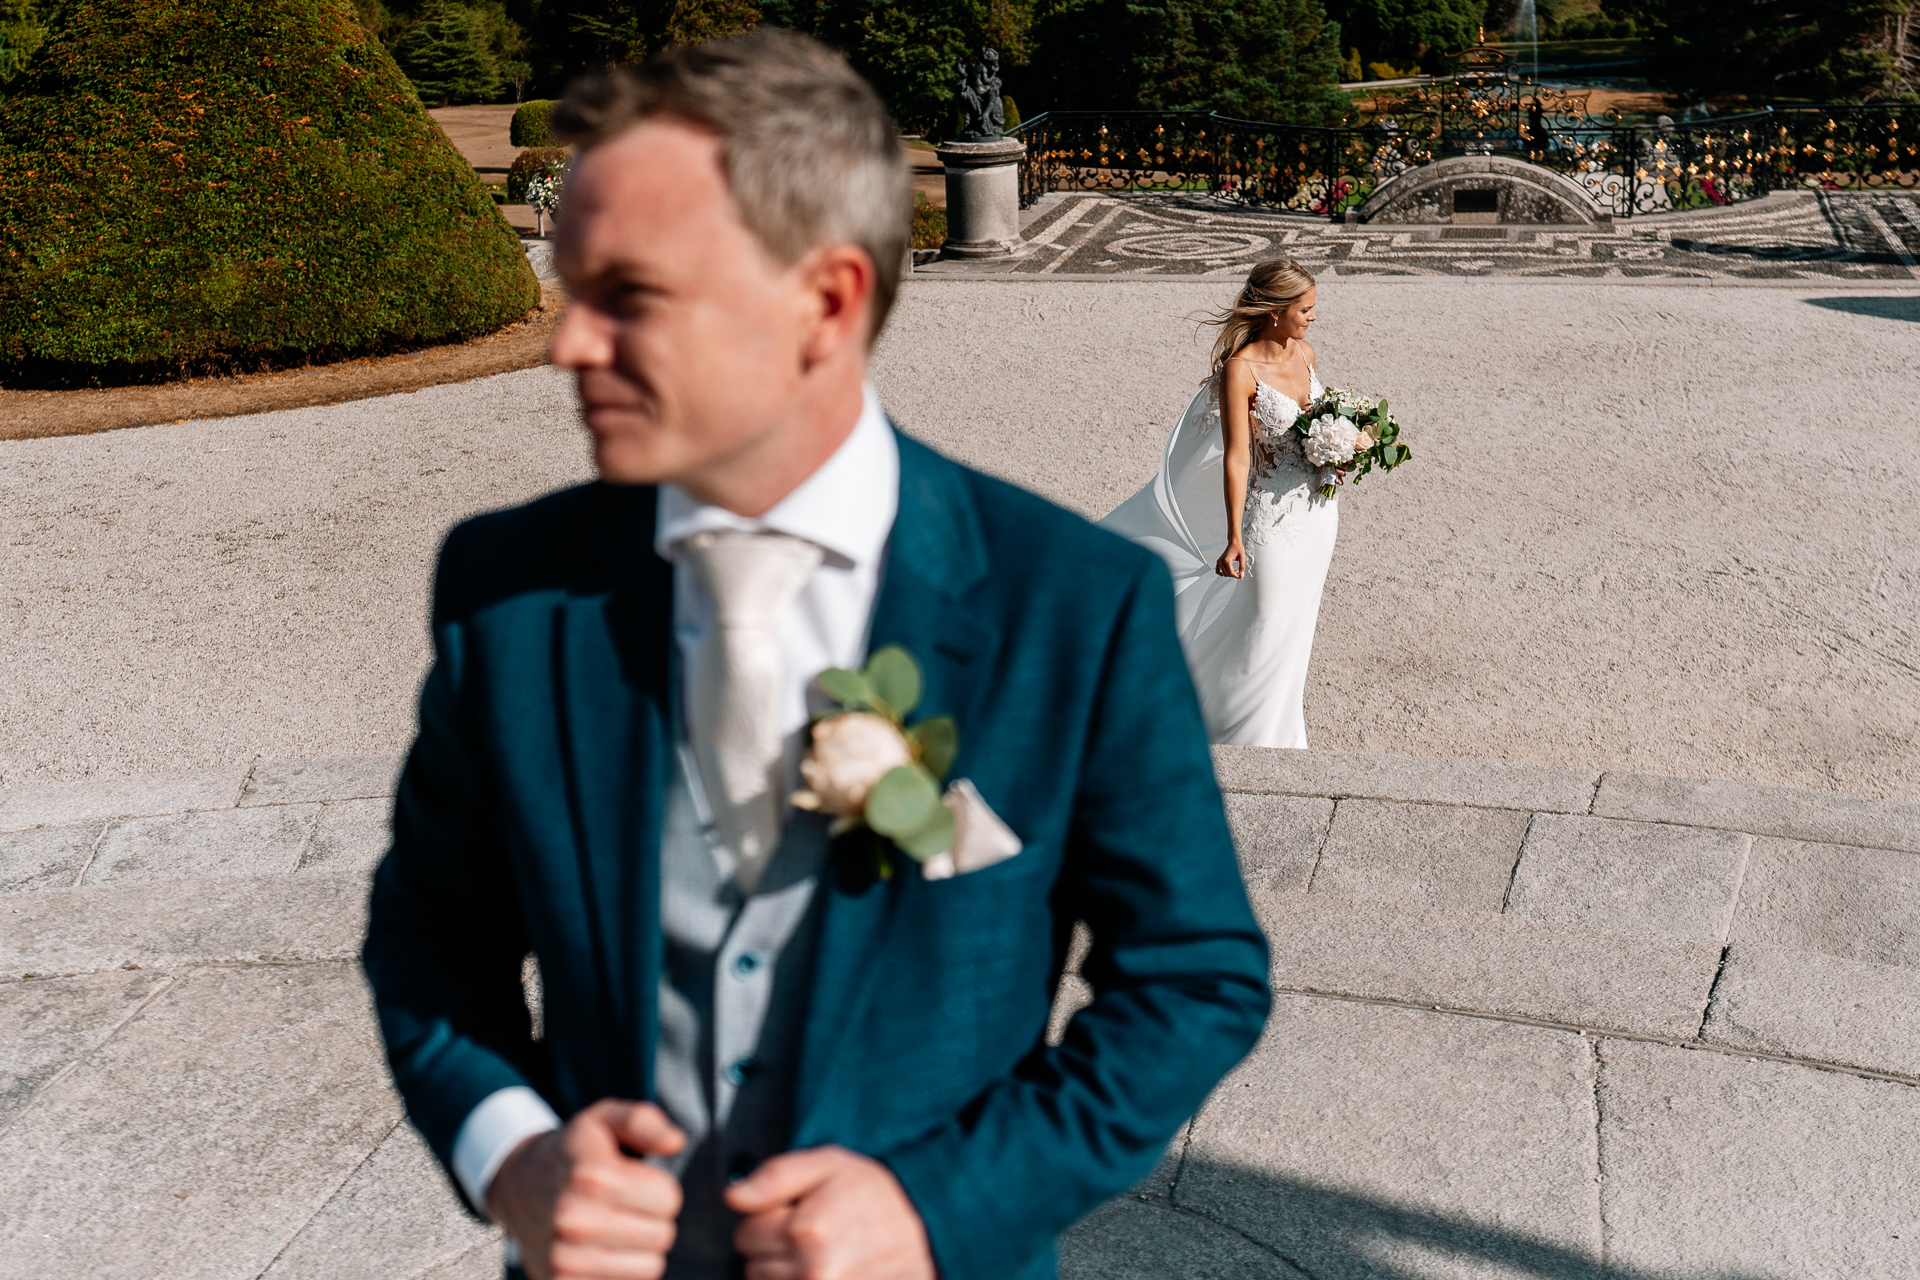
(1448, 857)
(237, 919)
(395, 1216)
(482, 1262)
(1497, 964)
(1370, 776)
(1278, 838)
(349, 836)
(1863, 904)
(1630, 877)
(231, 842)
(1788, 812)
(1717, 1166)
(1361, 1140)
(1805, 1005)
(303, 778)
(57, 804)
(203, 1134)
(48, 1025)
(1131, 1239)
(46, 857)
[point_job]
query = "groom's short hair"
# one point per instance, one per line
(809, 150)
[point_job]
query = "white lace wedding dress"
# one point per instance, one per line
(1248, 639)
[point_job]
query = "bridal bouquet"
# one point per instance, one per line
(1348, 434)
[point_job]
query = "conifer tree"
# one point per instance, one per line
(447, 55)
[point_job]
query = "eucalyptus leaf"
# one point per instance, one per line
(903, 801)
(939, 741)
(848, 688)
(895, 677)
(934, 838)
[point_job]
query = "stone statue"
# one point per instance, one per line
(983, 114)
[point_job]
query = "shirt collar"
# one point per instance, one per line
(846, 506)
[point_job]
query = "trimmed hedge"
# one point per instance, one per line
(527, 164)
(192, 185)
(530, 121)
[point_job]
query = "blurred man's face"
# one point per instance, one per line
(687, 338)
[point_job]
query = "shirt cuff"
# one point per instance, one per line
(504, 1119)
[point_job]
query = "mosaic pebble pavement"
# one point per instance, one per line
(1786, 236)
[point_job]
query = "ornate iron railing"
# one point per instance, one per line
(1628, 169)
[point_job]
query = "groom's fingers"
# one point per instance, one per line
(585, 1221)
(784, 1179)
(764, 1235)
(643, 1128)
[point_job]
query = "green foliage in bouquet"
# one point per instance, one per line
(192, 185)
(1376, 425)
(904, 805)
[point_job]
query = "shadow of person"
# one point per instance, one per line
(1895, 307)
(1227, 1223)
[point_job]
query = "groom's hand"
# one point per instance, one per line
(827, 1213)
(579, 1207)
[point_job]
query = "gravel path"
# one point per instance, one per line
(1613, 549)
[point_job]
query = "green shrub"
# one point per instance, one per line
(1011, 112)
(929, 224)
(528, 163)
(529, 127)
(205, 184)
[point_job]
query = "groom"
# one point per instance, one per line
(762, 1051)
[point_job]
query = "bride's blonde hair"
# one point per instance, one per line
(1271, 286)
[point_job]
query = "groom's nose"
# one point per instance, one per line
(583, 339)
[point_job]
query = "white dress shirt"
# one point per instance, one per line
(847, 507)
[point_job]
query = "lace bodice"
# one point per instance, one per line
(1280, 482)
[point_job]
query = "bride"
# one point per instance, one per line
(1246, 602)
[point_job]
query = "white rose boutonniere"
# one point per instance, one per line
(867, 767)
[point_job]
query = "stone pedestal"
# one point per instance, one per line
(983, 198)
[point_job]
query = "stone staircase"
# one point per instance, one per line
(1528, 1022)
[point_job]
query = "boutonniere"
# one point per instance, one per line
(866, 765)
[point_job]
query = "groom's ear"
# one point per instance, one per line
(837, 282)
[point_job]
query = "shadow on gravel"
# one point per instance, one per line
(1795, 253)
(1892, 308)
(1239, 1224)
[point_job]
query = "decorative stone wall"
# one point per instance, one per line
(1483, 190)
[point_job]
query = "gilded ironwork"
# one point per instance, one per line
(1628, 169)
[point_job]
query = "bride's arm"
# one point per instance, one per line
(1236, 389)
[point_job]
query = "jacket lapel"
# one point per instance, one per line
(937, 553)
(612, 652)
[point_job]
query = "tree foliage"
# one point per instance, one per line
(216, 183)
(1406, 32)
(23, 26)
(1258, 59)
(447, 57)
(1776, 51)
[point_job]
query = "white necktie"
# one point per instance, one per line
(734, 687)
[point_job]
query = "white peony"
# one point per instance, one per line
(851, 752)
(1330, 441)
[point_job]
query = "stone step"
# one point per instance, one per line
(1563, 989)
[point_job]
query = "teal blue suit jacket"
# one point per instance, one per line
(529, 818)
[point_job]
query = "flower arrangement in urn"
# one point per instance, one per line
(867, 766)
(1347, 435)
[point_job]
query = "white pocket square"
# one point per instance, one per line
(980, 839)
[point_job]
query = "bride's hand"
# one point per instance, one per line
(1233, 561)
